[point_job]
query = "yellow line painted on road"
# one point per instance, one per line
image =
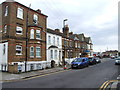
(105, 84)
(35, 76)
(44, 75)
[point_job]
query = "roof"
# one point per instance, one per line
(74, 37)
(53, 32)
(80, 36)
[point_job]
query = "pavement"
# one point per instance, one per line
(12, 77)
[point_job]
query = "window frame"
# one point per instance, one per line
(56, 54)
(58, 41)
(31, 51)
(19, 49)
(35, 19)
(51, 54)
(5, 28)
(38, 52)
(6, 11)
(21, 29)
(49, 39)
(20, 13)
(53, 40)
(32, 34)
(38, 34)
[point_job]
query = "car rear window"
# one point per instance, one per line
(77, 60)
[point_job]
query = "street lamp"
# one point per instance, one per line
(64, 41)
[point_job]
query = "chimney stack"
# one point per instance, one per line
(66, 30)
(57, 30)
(39, 11)
(71, 33)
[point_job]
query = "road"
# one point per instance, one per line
(91, 77)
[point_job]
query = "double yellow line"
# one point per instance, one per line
(105, 84)
(34, 76)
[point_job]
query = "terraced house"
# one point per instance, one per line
(75, 45)
(23, 33)
(54, 47)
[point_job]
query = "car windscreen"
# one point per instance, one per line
(117, 58)
(77, 60)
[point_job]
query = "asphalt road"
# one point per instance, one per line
(91, 77)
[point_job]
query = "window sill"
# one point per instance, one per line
(18, 54)
(31, 56)
(20, 18)
(38, 57)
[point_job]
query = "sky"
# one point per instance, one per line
(97, 19)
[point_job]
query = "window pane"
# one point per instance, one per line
(55, 54)
(20, 13)
(38, 52)
(32, 51)
(51, 54)
(18, 50)
(19, 30)
(37, 34)
(32, 34)
(6, 10)
(35, 18)
(5, 28)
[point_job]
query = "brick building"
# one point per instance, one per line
(23, 37)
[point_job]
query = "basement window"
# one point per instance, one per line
(18, 50)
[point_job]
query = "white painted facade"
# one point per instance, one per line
(54, 48)
(3, 56)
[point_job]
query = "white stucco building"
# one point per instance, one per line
(54, 46)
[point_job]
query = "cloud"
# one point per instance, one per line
(95, 18)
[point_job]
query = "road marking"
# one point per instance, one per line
(105, 84)
(35, 76)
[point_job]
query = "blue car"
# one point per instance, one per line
(80, 63)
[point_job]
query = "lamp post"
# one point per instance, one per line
(64, 41)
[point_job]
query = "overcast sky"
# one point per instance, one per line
(95, 18)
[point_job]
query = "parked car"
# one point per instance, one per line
(98, 60)
(112, 57)
(117, 61)
(80, 63)
(92, 60)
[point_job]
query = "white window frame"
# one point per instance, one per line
(19, 13)
(19, 49)
(18, 28)
(39, 33)
(5, 28)
(38, 52)
(32, 34)
(6, 10)
(31, 51)
(35, 19)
